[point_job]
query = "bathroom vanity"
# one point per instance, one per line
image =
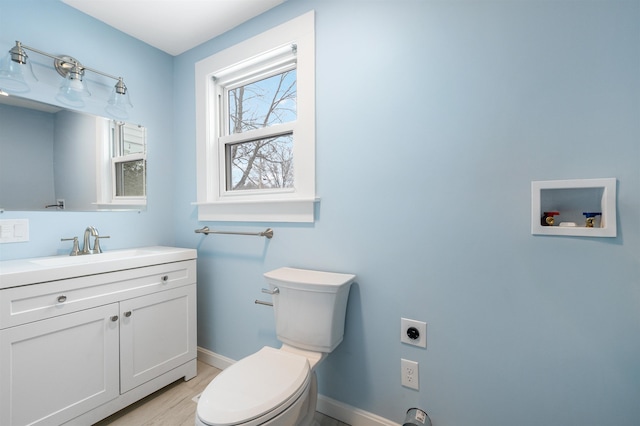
(82, 337)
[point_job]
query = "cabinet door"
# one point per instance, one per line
(56, 369)
(157, 334)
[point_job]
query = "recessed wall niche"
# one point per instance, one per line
(570, 203)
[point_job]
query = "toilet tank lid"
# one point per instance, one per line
(306, 277)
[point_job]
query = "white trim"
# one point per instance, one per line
(106, 166)
(213, 359)
(270, 56)
(332, 408)
(211, 197)
(608, 227)
(350, 415)
(301, 211)
(261, 133)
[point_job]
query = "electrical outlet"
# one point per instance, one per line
(413, 332)
(409, 371)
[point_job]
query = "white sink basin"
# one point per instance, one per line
(92, 258)
(43, 269)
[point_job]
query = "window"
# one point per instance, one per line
(128, 162)
(257, 113)
(121, 165)
(255, 132)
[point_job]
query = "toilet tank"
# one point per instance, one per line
(310, 307)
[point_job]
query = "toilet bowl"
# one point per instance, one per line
(278, 386)
(271, 386)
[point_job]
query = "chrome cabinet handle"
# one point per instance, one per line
(114, 318)
(62, 298)
(127, 314)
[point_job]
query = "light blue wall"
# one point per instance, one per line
(26, 151)
(52, 26)
(75, 178)
(433, 118)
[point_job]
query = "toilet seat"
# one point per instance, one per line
(255, 389)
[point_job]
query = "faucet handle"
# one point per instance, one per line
(96, 245)
(76, 249)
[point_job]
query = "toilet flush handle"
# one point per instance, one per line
(268, 291)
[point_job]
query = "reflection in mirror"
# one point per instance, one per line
(57, 159)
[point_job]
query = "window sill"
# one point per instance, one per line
(301, 211)
(124, 205)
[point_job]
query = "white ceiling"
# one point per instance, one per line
(173, 26)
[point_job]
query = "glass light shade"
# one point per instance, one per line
(73, 91)
(12, 75)
(119, 104)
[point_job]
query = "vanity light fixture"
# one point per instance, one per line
(73, 89)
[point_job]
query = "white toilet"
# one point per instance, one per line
(278, 386)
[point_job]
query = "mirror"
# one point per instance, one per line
(53, 158)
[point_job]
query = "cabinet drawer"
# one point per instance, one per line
(29, 303)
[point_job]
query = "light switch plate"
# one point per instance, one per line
(14, 230)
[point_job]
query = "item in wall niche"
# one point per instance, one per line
(567, 224)
(590, 218)
(547, 219)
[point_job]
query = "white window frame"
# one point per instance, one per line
(106, 170)
(274, 46)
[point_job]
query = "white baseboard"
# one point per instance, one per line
(345, 413)
(213, 359)
(350, 415)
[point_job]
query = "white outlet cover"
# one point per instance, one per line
(405, 324)
(410, 374)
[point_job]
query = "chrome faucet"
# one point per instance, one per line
(86, 243)
(88, 233)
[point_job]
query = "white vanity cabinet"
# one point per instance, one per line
(157, 334)
(75, 350)
(57, 369)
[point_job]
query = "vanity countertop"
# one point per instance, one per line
(19, 272)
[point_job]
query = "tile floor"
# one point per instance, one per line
(174, 405)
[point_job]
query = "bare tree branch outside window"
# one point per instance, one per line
(262, 163)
